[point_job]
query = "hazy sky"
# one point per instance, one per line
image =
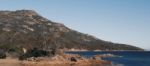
(121, 21)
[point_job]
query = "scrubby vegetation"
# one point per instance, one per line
(35, 52)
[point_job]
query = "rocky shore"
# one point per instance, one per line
(38, 57)
(58, 60)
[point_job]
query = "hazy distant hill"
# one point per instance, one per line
(26, 29)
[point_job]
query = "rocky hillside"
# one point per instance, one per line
(27, 29)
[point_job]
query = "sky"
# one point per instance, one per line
(119, 21)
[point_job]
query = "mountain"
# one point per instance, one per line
(27, 29)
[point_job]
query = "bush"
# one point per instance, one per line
(34, 53)
(2, 54)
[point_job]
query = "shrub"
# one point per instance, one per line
(2, 54)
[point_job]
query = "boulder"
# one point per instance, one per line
(73, 59)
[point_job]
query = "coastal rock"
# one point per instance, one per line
(73, 59)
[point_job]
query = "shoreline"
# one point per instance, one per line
(77, 50)
(58, 60)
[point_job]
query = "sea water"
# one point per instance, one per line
(123, 58)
